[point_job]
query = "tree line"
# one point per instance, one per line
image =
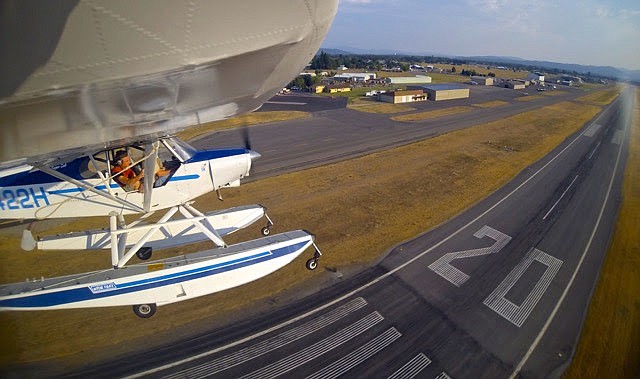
(325, 61)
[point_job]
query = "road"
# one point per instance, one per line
(499, 291)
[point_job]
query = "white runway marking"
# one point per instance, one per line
(535, 343)
(412, 368)
(268, 345)
(518, 314)
(593, 129)
(309, 353)
(560, 198)
(357, 356)
(594, 150)
(443, 267)
(617, 137)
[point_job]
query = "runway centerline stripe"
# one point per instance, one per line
(560, 198)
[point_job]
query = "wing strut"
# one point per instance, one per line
(151, 154)
(87, 187)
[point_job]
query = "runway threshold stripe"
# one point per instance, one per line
(268, 345)
(412, 368)
(311, 352)
(357, 356)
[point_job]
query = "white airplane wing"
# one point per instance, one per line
(80, 75)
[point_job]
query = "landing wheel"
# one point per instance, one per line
(145, 310)
(312, 264)
(265, 231)
(144, 253)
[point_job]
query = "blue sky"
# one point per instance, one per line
(590, 32)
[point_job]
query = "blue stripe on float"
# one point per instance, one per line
(84, 293)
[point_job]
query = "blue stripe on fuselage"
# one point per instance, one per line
(73, 168)
(175, 178)
(206, 155)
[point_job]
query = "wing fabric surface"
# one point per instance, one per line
(123, 71)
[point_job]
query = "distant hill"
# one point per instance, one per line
(607, 71)
(336, 52)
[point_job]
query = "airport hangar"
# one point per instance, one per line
(446, 91)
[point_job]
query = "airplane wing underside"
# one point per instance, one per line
(109, 73)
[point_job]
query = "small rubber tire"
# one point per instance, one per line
(144, 253)
(312, 264)
(265, 231)
(145, 310)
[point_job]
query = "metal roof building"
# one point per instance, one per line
(409, 79)
(483, 80)
(401, 96)
(357, 76)
(446, 91)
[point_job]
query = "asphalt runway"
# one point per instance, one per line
(337, 133)
(499, 291)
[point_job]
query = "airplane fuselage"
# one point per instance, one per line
(28, 193)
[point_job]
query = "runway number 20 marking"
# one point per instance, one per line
(443, 267)
(497, 301)
(517, 314)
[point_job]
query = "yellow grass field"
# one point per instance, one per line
(601, 97)
(357, 208)
(491, 104)
(378, 107)
(529, 98)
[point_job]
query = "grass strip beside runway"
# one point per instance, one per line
(421, 116)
